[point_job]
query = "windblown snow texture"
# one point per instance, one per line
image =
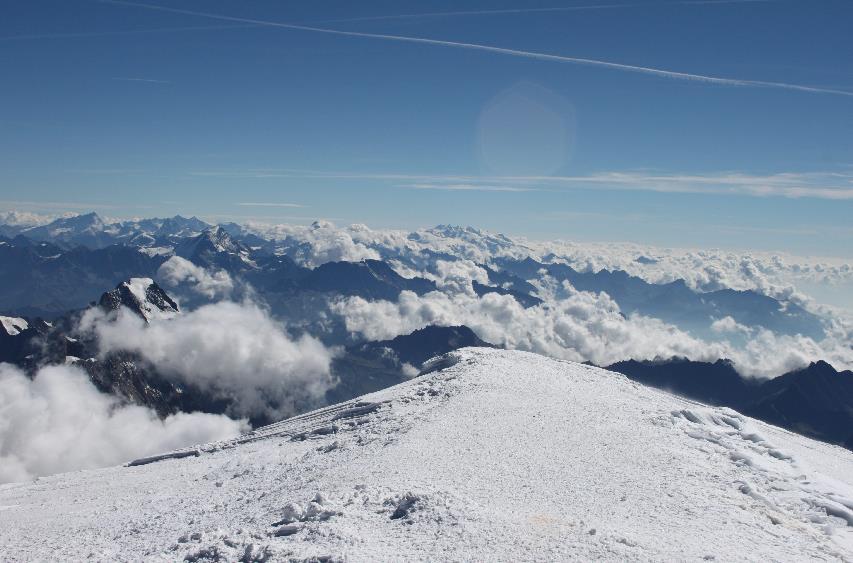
(499, 455)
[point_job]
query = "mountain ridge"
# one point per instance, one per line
(499, 455)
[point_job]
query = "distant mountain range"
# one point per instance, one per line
(50, 273)
(50, 269)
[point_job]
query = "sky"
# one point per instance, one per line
(710, 124)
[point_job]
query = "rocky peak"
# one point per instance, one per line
(142, 296)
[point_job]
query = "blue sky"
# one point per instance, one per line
(136, 111)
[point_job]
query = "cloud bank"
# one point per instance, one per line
(583, 327)
(233, 351)
(58, 421)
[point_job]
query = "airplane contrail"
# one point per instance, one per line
(500, 50)
(83, 34)
(590, 7)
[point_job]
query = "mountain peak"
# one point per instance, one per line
(142, 296)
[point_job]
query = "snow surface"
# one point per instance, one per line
(138, 287)
(500, 455)
(14, 325)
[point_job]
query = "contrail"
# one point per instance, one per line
(501, 50)
(82, 34)
(149, 80)
(591, 7)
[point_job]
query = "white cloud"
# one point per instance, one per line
(211, 284)
(28, 219)
(318, 243)
(269, 204)
(581, 327)
(58, 421)
(456, 275)
(730, 326)
(232, 350)
(468, 188)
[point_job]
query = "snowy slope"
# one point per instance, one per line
(503, 455)
(13, 325)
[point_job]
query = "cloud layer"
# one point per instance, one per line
(58, 421)
(582, 326)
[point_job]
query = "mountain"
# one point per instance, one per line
(423, 344)
(91, 231)
(816, 401)
(12, 326)
(372, 366)
(372, 279)
(20, 338)
(500, 456)
(215, 248)
(716, 383)
(42, 279)
(143, 297)
(675, 302)
(81, 230)
(524, 299)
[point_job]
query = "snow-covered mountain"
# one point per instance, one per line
(143, 297)
(12, 326)
(499, 455)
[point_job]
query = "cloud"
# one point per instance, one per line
(778, 275)
(727, 325)
(58, 421)
(233, 351)
(27, 219)
(468, 188)
(265, 204)
(819, 185)
(318, 243)
(148, 80)
(84, 34)
(793, 185)
(456, 275)
(581, 326)
(513, 11)
(211, 284)
(503, 51)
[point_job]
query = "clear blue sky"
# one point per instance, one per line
(133, 111)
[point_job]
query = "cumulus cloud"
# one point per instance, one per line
(581, 326)
(584, 326)
(318, 243)
(727, 325)
(456, 275)
(211, 284)
(58, 421)
(234, 351)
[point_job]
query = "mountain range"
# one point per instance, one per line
(48, 270)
